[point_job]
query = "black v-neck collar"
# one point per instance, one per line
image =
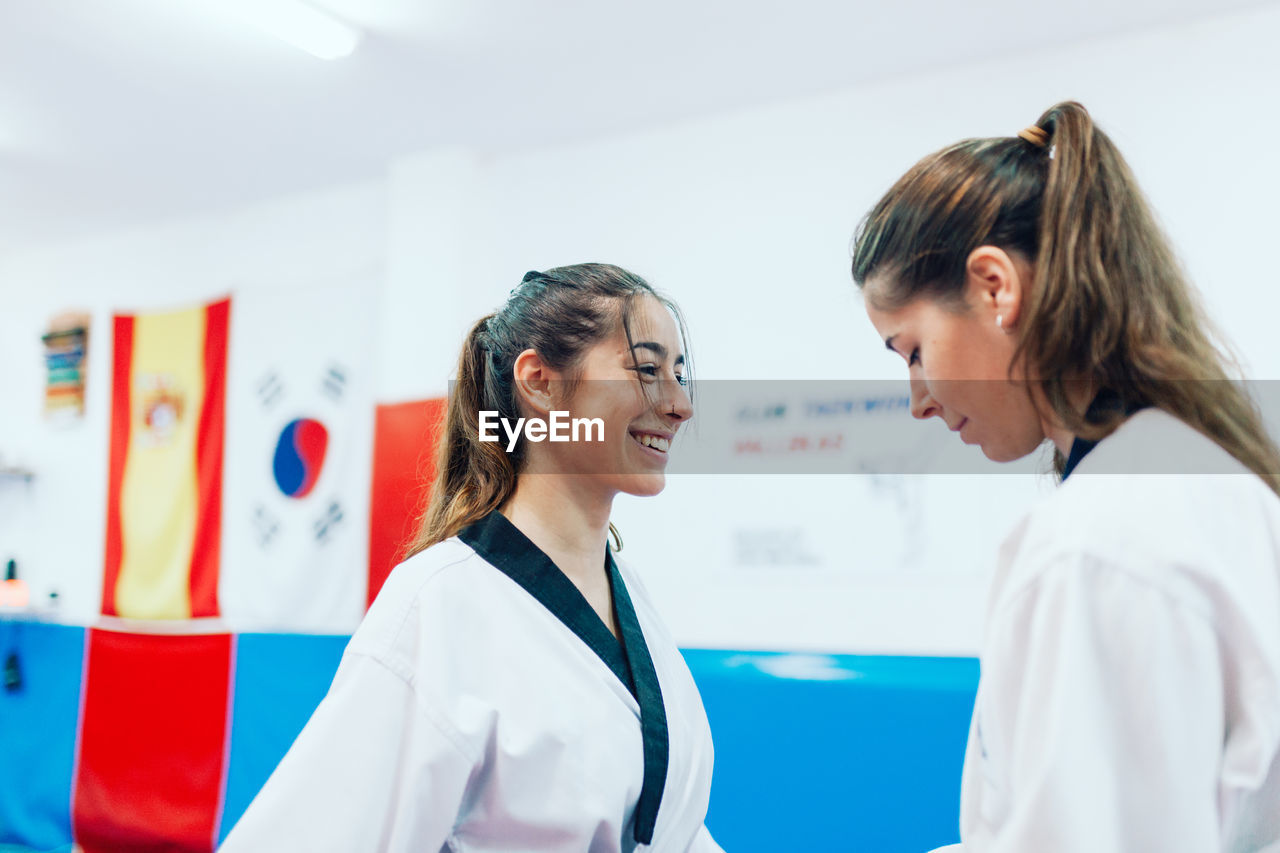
(1080, 448)
(502, 545)
(1105, 404)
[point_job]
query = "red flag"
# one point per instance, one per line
(404, 456)
(153, 736)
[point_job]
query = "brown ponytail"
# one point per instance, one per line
(559, 314)
(1109, 303)
(473, 478)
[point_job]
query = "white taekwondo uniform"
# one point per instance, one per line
(1130, 690)
(482, 705)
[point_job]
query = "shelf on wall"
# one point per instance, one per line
(24, 474)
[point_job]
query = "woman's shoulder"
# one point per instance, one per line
(432, 579)
(430, 566)
(1155, 442)
(1158, 468)
(1163, 503)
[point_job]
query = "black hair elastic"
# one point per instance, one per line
(531, 275)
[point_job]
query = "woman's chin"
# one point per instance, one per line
(643, 485)
(999, 454)
(1004, 453)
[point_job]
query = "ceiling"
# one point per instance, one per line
(124, 112)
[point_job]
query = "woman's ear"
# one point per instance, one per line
(996, 282)
(534, 382)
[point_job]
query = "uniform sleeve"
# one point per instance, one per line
(373, 770)
(1100, 719)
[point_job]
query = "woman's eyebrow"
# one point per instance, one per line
(656, 347)
(658, 350)
(888, 344)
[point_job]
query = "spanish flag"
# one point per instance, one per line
(164, 506)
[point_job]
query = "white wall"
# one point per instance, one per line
(746, 219)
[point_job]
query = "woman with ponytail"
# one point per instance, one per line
(512, 687)
(1130, 691)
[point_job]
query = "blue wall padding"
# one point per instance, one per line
(813, 752)
(835, 752)
(38, 724)
(279, 680)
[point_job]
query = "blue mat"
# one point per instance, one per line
(835, 752)
(279, 681)
(39, 719)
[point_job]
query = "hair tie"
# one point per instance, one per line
(1036, 135)
(529, 276)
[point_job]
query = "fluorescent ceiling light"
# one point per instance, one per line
(301, 25)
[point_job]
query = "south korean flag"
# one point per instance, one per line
(298, 458)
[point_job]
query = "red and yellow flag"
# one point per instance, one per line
(164, 506)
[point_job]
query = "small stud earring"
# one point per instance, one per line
(999, 321)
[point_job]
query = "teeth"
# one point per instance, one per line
(653, 441)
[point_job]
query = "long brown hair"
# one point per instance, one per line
(1109, 303)
(559, 314)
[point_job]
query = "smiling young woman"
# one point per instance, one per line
(1130, 690)
(512, 687)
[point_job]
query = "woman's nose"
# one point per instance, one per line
(677, 405)
(923, 406)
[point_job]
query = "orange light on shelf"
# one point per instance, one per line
(13, 592)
